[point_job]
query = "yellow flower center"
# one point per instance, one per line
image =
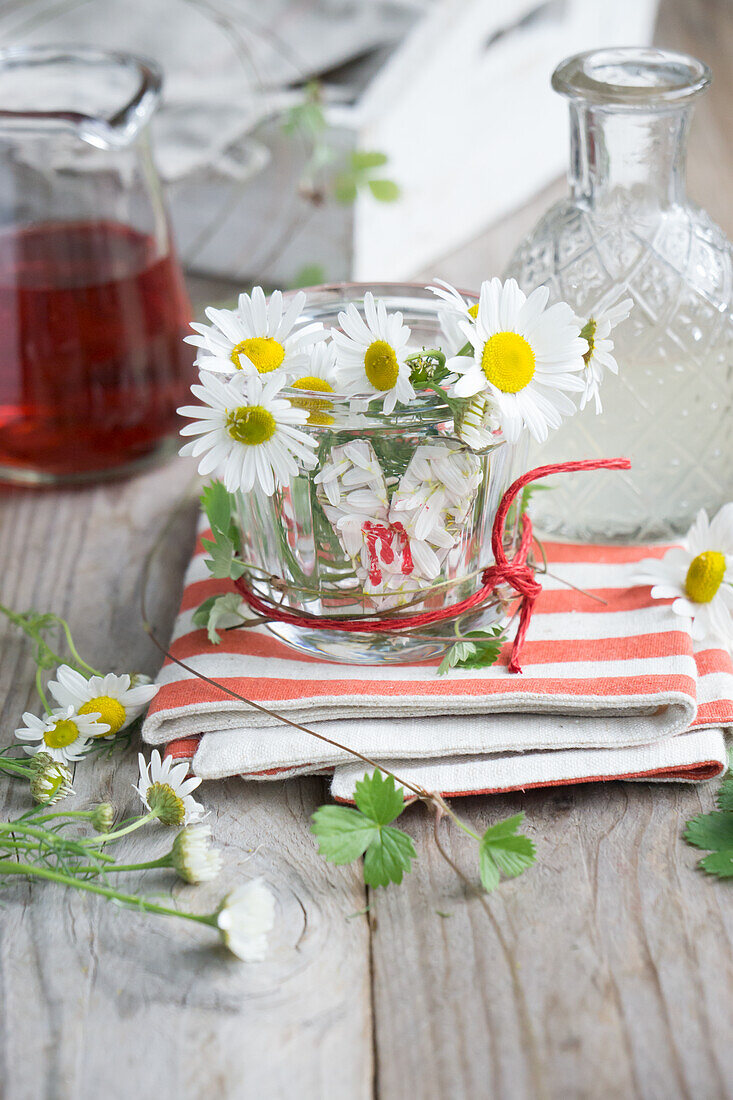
(314, 405)
(110, 711)
(473, 310)
(380, 364)
(589, 333)
(265, 352)
(705, 576)
(251, 424)
(167, 804)
(508, 361)
(63, 733)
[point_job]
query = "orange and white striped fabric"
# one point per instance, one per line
(612, 688)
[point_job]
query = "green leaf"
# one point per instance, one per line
(310, 275)
(344, 189)
(225, 611)
(384, 190)
(724, 797)
(504, 850)
(713, 831)
(455, 655)
(719, 863)
(217, 504)
(378, 799)
(223, 563)
(362, 160)
(343, 834)
(488, 870)
(477, 649)
(200, 616)
(388, 857)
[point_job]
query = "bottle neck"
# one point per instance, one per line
(642, 152)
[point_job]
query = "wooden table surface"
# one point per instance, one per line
(605, 971)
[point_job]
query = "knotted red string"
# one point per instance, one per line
(517, 573)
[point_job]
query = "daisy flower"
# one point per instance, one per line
(453, 309)
(111, 697)
(244, 919)
(371, 353)
(319, 376)
(164, 789)
(247, 434)
(63, 734)
(50, 779)
(699, 576)
(598, 358)
(193, 856)
(478, 424)
(525, 357)
(256, 337)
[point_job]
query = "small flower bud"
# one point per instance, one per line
(103, 817)
(193, 857)
(50, 780)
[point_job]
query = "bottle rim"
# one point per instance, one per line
(632, 77)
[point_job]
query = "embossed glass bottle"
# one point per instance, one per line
(628, 229)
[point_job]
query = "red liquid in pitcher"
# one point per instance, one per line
(92, 364)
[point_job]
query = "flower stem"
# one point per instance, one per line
(104, 838)
(10, 868)
(15, 767)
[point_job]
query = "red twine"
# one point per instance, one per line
(517, 573)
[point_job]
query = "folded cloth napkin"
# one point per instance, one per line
(612, 687)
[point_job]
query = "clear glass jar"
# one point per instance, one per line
(93, 307)
(627, 229)
(297, 554)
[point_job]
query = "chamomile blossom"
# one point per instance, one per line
(699, 576)
(193, 856)
(64, 734)
(166, 791)
(112, 697)
(257, 337)
(478, 424)
(453, 309)
(526, 358)
(319, 376)
(50, 780)
(371, 353)
(244, 919)
(596, 330)
(247, 433)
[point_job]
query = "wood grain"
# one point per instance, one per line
(605, 972)
(102, 1003)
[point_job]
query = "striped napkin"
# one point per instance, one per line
(612, 687)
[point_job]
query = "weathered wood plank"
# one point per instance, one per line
(605, 971)
(99, 1002)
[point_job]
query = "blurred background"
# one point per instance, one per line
(304, 141)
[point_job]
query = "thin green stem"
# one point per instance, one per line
(70, 642)
(9, 868)
(15, 767)
(39, 689)
(104, 838)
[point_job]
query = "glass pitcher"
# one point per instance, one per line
(627, 229)
(92, 303)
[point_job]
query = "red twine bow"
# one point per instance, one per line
(517, 573)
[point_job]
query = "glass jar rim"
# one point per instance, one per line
(632, 77)
(332, 297)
